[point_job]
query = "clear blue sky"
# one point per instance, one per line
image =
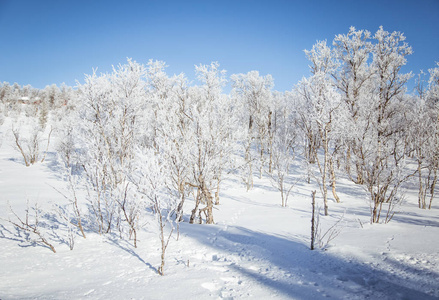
(46, 42)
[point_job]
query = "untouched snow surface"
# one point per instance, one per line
(256, 250)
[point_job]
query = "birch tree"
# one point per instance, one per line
(151, 179)
(254, 94)
(321, 105)
(284, 146)
(353, 78)
(424, 137)
(384, 164)
(211, 127)
(109, 109)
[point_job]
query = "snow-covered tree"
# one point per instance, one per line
(284, 145)
(424, 137)
(109, 108)
(353, 79)
(210, 126)
(383, 164)
(151, 179)
(253, 93)
(366, 72)
(167, 125)
(321, 108)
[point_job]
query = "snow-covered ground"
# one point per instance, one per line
(256, 249)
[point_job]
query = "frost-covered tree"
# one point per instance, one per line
(109, 108)
(322, 61)
(31, 139)
(5, 97)
(383, 167)
(5, 91)
(253, 93)
(210, 127)
(433, 100)
(321, 108)
(424, 137)
(52, 95)
(151, 179)
(167, 125)
(353, 77)
(366, 72)
(284, 145)
(192, 129)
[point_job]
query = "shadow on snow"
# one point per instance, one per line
(290, 269)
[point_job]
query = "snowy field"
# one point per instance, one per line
(255, 250)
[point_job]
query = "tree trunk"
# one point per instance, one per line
(332, 178)
(217, 199)
(433, 184)
(348, 162)
(163, 244)
(249, 181)
(360, 178)
(270, 142)
(179, 215)
(325, 167)
(375, 209)
(261, 158)
(208, 210)
(421, 195)
(313, 195)
(281, 186)
(197, 203)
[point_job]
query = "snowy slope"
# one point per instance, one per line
(256, 250)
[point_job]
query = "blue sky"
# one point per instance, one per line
(46, 42)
